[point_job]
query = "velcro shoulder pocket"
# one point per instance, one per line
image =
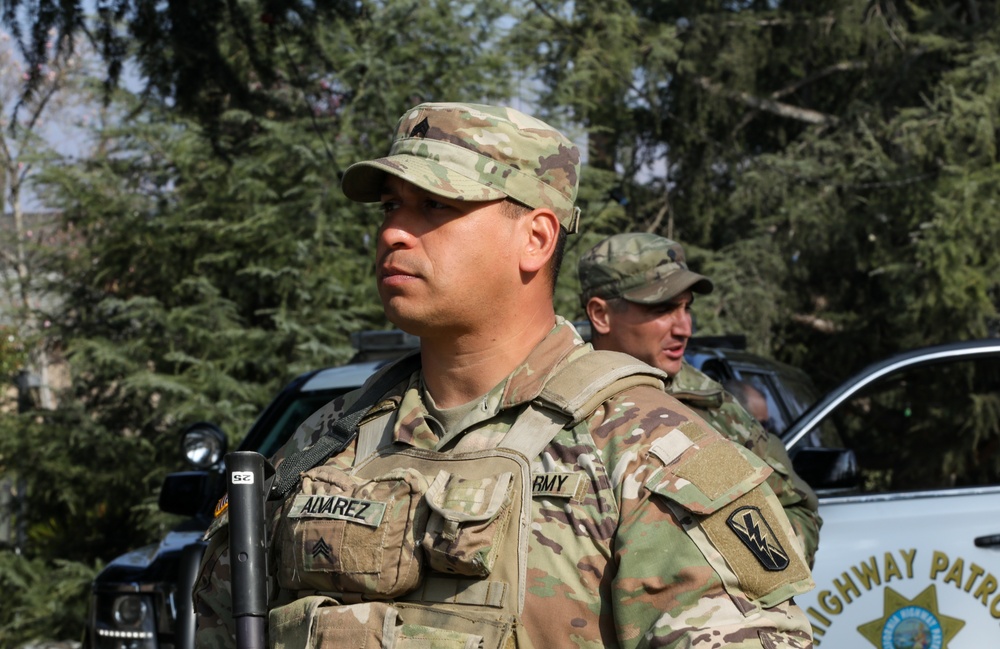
(704, 476)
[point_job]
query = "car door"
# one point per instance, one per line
(911, 558)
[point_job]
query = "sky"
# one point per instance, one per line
(64, 124)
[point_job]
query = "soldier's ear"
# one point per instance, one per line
(542, 227)
(598, 314)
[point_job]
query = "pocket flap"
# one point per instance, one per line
(706, 479)
(462, 500)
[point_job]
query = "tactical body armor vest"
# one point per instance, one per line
(416, 548)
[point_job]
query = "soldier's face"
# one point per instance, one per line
(654, 333)
(442, 266)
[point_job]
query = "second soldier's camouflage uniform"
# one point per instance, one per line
(647, 269)
(640, 530)
(719, 408)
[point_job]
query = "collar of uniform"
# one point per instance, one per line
(695, 388)
(691, 379)
(412, 421)
(525, 383)
(416, 426)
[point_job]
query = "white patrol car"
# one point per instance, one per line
(909, 554)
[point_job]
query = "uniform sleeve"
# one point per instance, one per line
(795, 495)
(702, 549)
(213, 607)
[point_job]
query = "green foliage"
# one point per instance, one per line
(12, 354)
(830, 164)
(50, 599)
(75, 508)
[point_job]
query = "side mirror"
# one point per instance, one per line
(827, 469)
(186, 493)
(204, 444)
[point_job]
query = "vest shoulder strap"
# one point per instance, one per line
(586, 382)
(573, 393)
(345, 428)
(703, 399)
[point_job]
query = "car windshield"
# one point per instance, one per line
(922, 427)
(301, 406)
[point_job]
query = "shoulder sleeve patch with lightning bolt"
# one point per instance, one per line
(757, 548)
(752, 528)
(737, 521)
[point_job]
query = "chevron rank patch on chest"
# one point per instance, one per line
(355, 510)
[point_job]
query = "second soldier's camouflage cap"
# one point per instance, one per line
(638, 267)
(474, 152)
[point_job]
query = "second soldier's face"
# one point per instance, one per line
(442, 266)
(656, 334)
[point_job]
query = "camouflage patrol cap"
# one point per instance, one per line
(473, 152)
(638, 267)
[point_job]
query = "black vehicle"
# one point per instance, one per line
(142, 600)
(788, 390)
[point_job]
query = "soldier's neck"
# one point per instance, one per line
(460, 368)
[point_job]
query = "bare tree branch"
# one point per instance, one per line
(769, 105)
(827, 21)
(815, 322)
(555, 19)
(662, 212)
(843, 66)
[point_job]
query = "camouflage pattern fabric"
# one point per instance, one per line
(671, 537)
(638, 267)
(726, 415)
(467, 517)
(473, 152)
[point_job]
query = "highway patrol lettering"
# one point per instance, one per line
(936, 569)
(365, 512)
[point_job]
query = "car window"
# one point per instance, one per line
(716, 370)
(788, 393)
(932, 426)
(765, 383)
(798, 394)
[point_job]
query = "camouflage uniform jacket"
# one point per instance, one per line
(648, 550)
(724, 412)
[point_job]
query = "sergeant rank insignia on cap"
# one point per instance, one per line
(420, 130)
